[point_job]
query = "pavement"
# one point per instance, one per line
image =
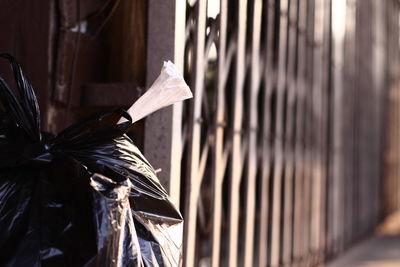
(382, 250)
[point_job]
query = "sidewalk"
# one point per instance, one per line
(383, 250)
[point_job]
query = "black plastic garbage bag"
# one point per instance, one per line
(85, 197)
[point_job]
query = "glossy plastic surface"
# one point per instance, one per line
(85, 197)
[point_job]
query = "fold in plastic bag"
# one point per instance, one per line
(85, 197)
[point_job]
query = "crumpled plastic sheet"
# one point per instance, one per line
(83, 197)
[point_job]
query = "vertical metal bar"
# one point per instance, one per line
(391, 181)
(339, 31)
(219, 136)
(334, 37)
(237, 160)
(347, 180)
(252, 135)
(396, 92)
(308, 134)
(326, 126)
(389, 10)
(299, 214)
(289, 135)
(340, 140)
(194, 183)
(377, 62)
(365, 119)
(278, 148)
(176, 140)
(317, 176)
(378, 71)
(266, 148)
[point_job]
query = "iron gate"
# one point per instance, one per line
(280, 150)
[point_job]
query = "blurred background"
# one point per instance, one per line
(288, 154)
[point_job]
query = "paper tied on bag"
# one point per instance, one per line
(167, 89)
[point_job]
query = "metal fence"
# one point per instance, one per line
(392, 112)
(281, 151)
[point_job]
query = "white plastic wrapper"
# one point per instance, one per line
(168, 88)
